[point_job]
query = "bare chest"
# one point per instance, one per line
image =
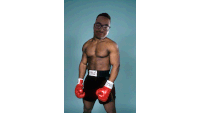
(97, 50)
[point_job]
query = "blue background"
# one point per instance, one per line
(79, 16)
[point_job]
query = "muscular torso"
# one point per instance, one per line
(98, 55)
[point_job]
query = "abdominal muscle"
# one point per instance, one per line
(99, 64)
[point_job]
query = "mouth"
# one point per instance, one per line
(100, 32)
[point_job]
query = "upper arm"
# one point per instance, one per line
(84, 56)
(114, 54)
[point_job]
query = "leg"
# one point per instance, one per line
(88, 106)
(110, 107)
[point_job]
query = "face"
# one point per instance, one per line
(100, 33)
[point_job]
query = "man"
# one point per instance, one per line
(99, 53)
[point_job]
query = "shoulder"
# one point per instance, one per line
(112, 45)
(86, 44)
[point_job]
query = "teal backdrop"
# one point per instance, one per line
(79, 17)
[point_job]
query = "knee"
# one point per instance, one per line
(111, 111)
(87, 110)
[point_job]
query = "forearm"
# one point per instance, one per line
(82, 70)
(114, 73)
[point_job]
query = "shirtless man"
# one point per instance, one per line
(99, 53)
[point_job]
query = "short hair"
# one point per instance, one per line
(105, 15)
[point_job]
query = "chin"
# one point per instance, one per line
(100, 37)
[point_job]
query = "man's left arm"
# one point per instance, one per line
(104, 92)
(114, 61)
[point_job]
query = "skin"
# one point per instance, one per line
(100, 53)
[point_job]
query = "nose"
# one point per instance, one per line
(101, 29)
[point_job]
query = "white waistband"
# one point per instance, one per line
(93, 73)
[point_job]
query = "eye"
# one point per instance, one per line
(106, 27)
(98, 25)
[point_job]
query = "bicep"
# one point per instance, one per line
(84, 55)
(114, 56)
(84, 58)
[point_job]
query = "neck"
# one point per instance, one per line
(98, 39)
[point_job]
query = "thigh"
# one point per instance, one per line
(90, 89)
(88, 105)
(110, 107)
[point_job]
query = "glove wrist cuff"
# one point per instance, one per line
(109, 84)
(80, 81)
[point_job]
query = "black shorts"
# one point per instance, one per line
(91, 84)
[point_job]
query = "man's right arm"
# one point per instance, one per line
(83, 63)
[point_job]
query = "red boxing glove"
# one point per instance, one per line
(79, 89)
(103, 93)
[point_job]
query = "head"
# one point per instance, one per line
(102, 25)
